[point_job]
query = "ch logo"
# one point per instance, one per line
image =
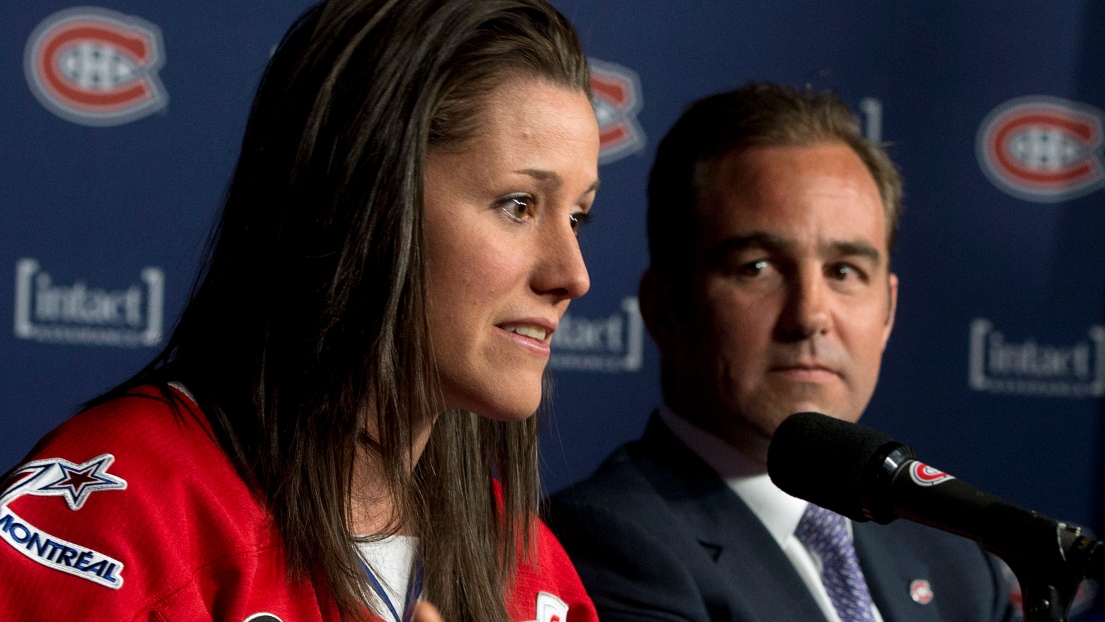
(96, 67)
(262, 617)
(924, 475)
(1042, 149)
(617, 100)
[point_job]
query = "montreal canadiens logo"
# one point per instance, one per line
(617, 100)
(94, 66)
(924, 475)
(1042, 149)
(921, 592)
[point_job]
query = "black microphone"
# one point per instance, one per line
(866, 475)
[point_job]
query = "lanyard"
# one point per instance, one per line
(414, 589)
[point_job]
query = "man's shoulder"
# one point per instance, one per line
(655, 482)
(619, 476)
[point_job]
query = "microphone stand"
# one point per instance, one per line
(1049, 565)
(1044, 598)
(1050, 558)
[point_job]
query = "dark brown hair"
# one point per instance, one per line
(756, 114)
(308, 324)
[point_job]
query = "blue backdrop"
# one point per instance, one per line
(121, 123)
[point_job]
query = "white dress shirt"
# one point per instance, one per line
(778, 511)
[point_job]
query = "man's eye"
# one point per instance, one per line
(843, 272)
(517, 206)
(755, 268)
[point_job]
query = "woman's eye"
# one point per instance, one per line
(579, 219)
(517, 206)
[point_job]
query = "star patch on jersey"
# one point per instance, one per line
(57, 477)
(62, 478)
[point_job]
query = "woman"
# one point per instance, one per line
(363, 352)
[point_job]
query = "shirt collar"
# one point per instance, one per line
(778, 511)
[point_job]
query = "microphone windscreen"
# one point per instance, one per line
(822, 460)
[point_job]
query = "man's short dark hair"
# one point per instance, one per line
(755, 115)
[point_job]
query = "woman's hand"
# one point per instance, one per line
(425, 612)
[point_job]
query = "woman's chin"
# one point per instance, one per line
(516, 407)
(516, 400)
(510, 413)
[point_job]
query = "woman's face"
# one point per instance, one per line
(501, 217)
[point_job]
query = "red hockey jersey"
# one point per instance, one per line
(155, 524)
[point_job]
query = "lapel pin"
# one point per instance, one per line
(920, 591)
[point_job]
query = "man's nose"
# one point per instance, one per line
(561, 271)
(806, 312)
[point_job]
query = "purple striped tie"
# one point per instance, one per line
(826, 534)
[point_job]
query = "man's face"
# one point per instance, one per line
(790, 301)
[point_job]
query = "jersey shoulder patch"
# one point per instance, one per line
(58, 477)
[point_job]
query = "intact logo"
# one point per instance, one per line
(610, 344)
(58, 477)
(96, 67)
(1042, 149)
(81, 315)
(617, 100)
(924, 475)
(998, 364)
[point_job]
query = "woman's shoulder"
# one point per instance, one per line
(155, 439)
(547, 585)
(147, 452)
(134, 492)
(141, 419)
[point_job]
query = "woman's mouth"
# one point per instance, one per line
(539, 333)
(530, 335)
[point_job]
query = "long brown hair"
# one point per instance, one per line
(308, 324)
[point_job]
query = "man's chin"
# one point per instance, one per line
(813, 398)
(836, 412)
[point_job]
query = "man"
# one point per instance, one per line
(770, 222)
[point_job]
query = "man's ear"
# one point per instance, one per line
(892, 283)
(657, 304)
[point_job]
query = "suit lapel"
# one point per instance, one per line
(893, 574)
(755, 574)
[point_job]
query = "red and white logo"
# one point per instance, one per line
(550, 608)
(617, 100)
(94, 66)
(921, 592)
(1042, 149)
(924, 475)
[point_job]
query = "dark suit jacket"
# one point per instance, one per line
(657, 535)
